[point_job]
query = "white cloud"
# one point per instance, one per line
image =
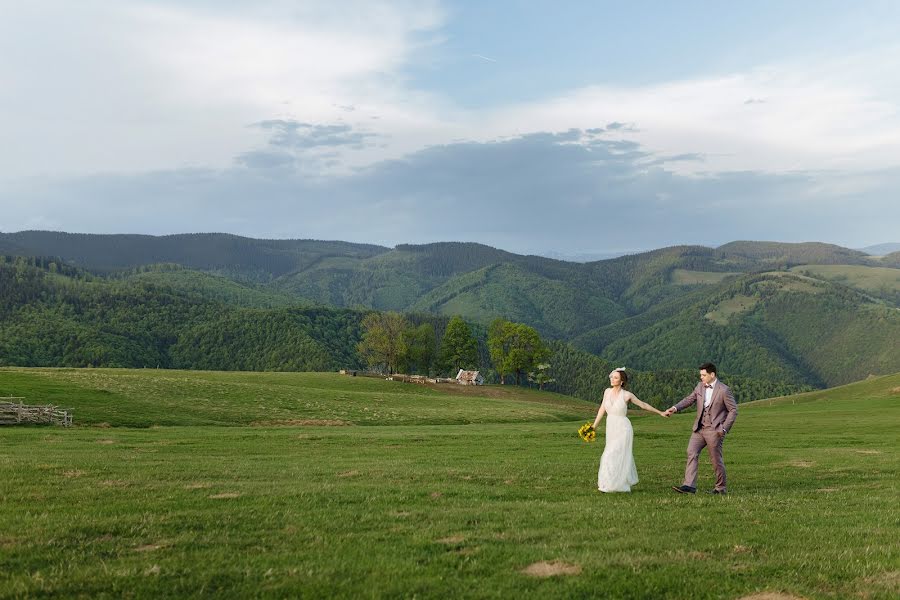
(130, 86)
(536, 192)
(110, 108)
(834, 114)
(138, 86)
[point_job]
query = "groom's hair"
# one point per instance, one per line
(708, 367)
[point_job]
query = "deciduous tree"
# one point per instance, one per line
(459, 350)
(383, 345)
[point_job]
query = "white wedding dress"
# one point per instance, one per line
(617, 471)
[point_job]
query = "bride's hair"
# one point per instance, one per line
(624, 377)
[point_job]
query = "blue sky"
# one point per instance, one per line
(541, 47)
(566, 127)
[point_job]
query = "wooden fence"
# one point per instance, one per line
(18, 413)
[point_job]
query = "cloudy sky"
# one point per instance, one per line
(533, 126)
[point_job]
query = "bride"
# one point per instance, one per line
(617, 471)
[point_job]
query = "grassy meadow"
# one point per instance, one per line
(870, 279)
(181, 484)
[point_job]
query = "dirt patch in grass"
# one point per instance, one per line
(679, 555)
(151, 547)
(801, 464)
(739, 549)
(197, 485)
(828, 489)
(453, 539)
(225, 495)
(888, 581)
(895, 390)
(551, 569)
(300, 423)
(106, 442)
(114, 483)
(8, 542)
(771, 596)
(868, 451)
(436, 495)
(73, 474)
(348, 474)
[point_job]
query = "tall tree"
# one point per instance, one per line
(459, 350)
(420, 348)
(383, 345)
(498, 346)
(515, 348)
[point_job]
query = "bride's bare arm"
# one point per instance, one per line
(600, 414)
(601, 411)
(644, 405)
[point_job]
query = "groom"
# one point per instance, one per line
(716, 412)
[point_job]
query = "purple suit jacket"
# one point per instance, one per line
(723, 408)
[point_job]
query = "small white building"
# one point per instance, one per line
(469, 378)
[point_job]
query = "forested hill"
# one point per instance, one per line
(561, 299)
(58, 315)
(769, 325)
(832, 321)
(242, 257)
(62, 316)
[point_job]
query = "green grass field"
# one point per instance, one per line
(431, 494)
(870, 279)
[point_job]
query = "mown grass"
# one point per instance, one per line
(147, 397)
(452, 510)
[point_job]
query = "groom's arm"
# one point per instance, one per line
(731, 407)
(688, 400)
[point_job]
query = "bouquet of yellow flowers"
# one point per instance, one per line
(587, 432)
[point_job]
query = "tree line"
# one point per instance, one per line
(391, 344)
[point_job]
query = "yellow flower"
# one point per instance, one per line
(587, 433)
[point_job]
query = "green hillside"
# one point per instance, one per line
(231, 255)
(147, 397)
(882, 282)
(60, 316)
(554, 307)
(890, 260)
(209, 287)
(411, 277)
(657, 311)
(773, 326)
(770, 255)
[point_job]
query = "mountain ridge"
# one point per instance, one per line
(624, 308)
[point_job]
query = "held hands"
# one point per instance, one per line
(669, 411)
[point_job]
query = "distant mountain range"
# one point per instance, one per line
(583, 257)
(881, 249)
(811, 313)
